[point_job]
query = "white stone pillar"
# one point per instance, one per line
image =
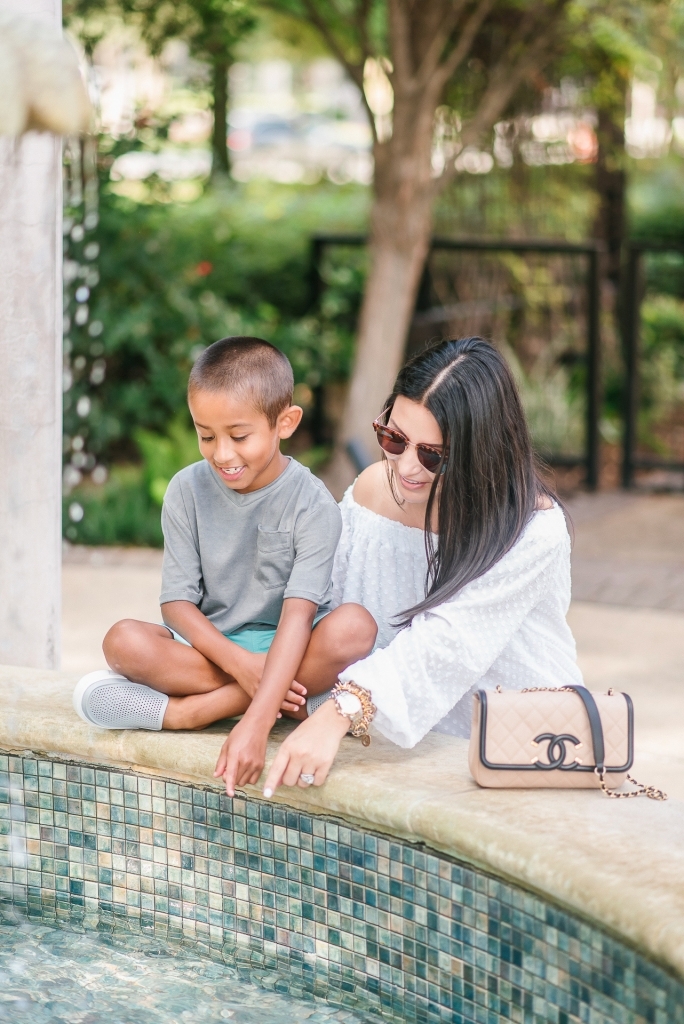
(30, 387)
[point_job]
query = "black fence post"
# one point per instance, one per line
(631, 325)
(593, 370)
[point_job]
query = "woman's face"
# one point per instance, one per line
(413, 481)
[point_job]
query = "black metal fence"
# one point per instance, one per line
(633, 297)
(589, 458)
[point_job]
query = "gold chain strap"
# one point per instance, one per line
(652, 792)
(543, 689)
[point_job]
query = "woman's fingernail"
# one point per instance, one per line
(268, 793)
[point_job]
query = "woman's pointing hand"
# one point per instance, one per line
(309, 750)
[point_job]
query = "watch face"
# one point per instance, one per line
(348, 703)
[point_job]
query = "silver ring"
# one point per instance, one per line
(308, 780)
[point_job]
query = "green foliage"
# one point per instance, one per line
(165, 455)
(121, 511)
(657, 216)
(175, 277)
(554, 407)
(210, 27)
(657, 203)
(662, 365)
(533, 202)
(663, 327)
(352, 29)
(90, 20)
(316, 457)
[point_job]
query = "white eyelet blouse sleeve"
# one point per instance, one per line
(507, 627)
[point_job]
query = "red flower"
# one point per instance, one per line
(204, 268)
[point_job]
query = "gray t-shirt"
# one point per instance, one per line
(238, 556)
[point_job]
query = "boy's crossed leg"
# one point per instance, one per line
(201, 693)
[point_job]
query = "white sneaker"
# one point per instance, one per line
(110, 701)
(314, 703)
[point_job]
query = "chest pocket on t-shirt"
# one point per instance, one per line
(274, 557)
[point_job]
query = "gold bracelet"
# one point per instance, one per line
(359, 720)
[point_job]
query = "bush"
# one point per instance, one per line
(121, 511)
(662, 365)
(172, 278)
(656, 204)
(164, 456)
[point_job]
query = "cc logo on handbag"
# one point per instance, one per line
(556, 751)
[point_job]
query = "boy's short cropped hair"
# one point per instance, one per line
(250, 368)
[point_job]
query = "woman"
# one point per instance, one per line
(460, 552)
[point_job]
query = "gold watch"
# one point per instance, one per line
(354, 703)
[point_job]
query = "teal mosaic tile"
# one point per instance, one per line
(380, 925)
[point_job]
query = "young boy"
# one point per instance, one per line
(249, 541)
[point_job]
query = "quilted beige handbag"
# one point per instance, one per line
(564, 738)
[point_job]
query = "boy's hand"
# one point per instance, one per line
(295, 698)
(265, 680)
(242, 756)
(249, 672)
(249, 677)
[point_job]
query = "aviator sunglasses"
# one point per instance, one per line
(394, 442)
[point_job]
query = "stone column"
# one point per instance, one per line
(30, 387)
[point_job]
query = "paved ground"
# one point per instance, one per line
(100, 586)
(627, 613)
(629, 550)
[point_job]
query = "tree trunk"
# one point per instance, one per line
(611, 184)
(401, 225)
(404, 185)
(398, 248)
(220, 161)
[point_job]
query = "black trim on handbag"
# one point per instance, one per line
(559, 741)
(556, 749)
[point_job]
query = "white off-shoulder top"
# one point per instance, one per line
(506, 628)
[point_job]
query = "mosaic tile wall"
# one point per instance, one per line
(379, 924)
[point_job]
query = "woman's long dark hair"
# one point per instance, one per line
(490, 485)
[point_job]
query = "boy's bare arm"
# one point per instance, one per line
(186, 618)
(246, 668)
(243, 753)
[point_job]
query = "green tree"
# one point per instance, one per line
(609, 46)
(405, 55)
(212, 29)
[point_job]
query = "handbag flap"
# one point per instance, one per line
(550, 729)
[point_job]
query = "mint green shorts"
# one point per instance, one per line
(256, 640)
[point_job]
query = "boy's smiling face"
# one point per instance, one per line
(237, 440)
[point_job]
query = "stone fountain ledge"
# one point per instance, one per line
(618, 863)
